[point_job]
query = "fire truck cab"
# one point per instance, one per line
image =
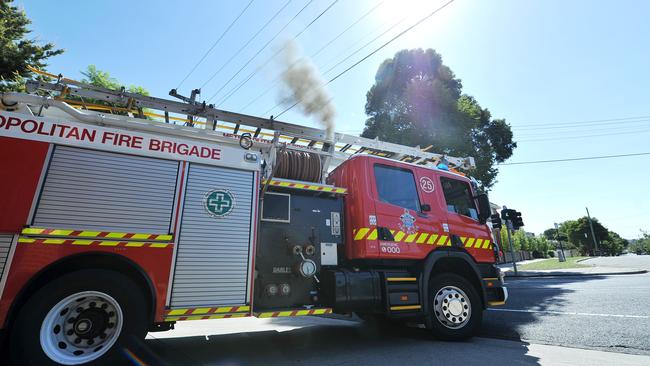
(113, 225)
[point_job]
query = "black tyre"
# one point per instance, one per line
(87, 317)
(456, 309)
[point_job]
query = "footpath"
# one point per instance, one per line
(591, 270)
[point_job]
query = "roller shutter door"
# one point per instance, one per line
(213, 252)
(97, 190)
(5, 245)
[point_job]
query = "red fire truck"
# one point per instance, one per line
(123, 214)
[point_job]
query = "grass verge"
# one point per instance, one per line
(553, 263)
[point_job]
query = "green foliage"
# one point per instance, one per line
(524, 241)
(577, 234)
(103, 79)
(16, 51)
(417, 100)
(641, 245)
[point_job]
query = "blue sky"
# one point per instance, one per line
(534, 63)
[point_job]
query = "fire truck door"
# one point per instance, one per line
(400, 219)
(462, 217)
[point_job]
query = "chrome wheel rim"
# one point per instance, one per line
(81, 328)
(452, 307)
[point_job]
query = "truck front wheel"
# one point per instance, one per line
(456, 311)
(81, 318)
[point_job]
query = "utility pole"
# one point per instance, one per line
(561, 257)
(593, 235)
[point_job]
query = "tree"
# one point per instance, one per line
(417, 101)
(16, 51)
(103, 79)
(613, 245)
(641, 245)
(579, 233)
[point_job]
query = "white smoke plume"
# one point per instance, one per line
(305, 87)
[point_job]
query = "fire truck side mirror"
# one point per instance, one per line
(484, 210)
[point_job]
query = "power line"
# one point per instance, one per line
(277, 79)
(584, 136)
(596, 121)
(535, 134)
(575, 159)
(261, 49)
(377, 50)
(231, 92)
(215, 44)
(247, 43)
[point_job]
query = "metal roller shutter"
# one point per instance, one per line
(213, 252)
(5, 245)
(97, 190)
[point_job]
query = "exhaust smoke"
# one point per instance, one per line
(305, 87)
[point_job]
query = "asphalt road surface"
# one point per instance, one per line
(584, 315)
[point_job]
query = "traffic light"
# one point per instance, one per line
(507, 214)
(517, 222)
(496, 221)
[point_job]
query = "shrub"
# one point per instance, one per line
(551, 254)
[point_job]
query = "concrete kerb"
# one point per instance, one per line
(510, 275)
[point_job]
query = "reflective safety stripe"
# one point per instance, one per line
(209, 310)
(205, 317)
(361, 233)
(85, 242)
(420, 238)
(406, 307)
(43, 232)
(307, 186)
(297, 312)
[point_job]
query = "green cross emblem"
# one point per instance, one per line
(219, 202)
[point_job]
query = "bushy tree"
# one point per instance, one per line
(579, 233)
(17, 51)
(417, 100)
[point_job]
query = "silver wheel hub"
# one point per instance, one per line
(452, 307)
(81, 328)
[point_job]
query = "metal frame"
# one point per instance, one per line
(334, 150)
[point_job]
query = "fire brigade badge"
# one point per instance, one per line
(407, 223)
(219, 202)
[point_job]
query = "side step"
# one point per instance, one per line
(292, 312)
(402, 294)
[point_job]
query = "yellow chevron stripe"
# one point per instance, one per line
(26, 240)
(399, 236)
(178, 312)
(432, 239)
(109, 243)
(53, 241)
(60, 232)
(140, 236)
(478, 244)
(31, 230)
(361, 233)
(410, 238)
(158, 245)
(82, 242)
(442, 240)
(115, 235)
(422, 238)
(134, 244)
(373, 235)
(89, 233)
(486, 244)
(198, 311)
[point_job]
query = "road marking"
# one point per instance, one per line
(571, 313)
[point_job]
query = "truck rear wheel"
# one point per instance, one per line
(81, 318)
(456, 309)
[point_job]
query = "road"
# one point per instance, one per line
(624, 261)
(583, 315)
